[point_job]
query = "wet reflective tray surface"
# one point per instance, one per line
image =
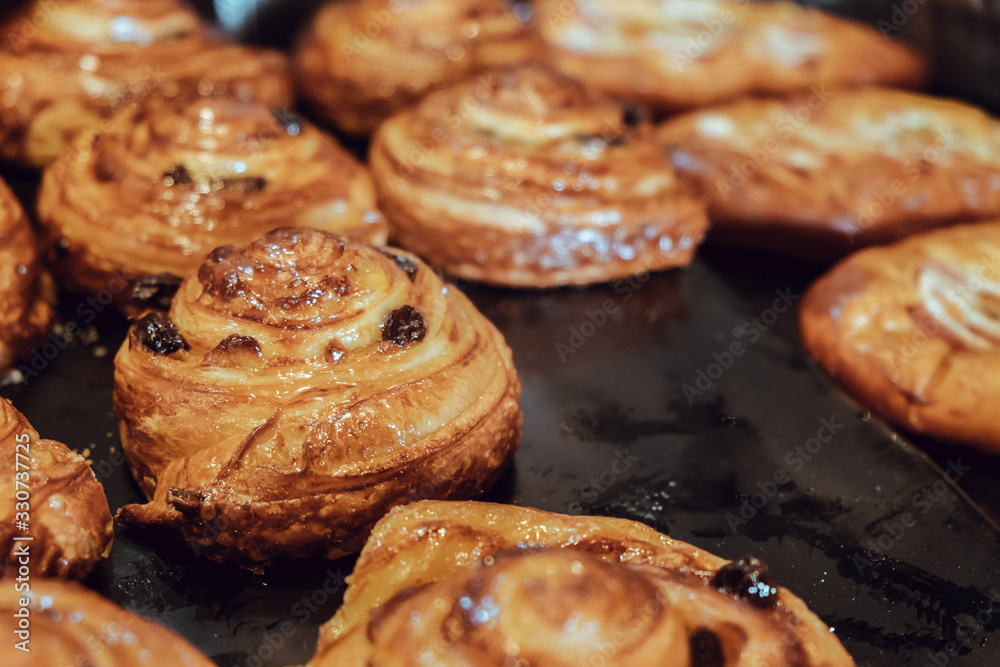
(680, 399)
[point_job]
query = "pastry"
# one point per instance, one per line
(912, 330)
(301, 386)
(65, 66)
(680, 54)
(362, 61)
(50, 495)
(466, 583)
(819, 176)
(145, 200)
(24, 315)
(71, 625)
(520, 177)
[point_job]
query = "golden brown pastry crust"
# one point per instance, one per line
(680, 54)
(71, 625)
(363, 60)
(471, 583)
(311, 383)
(65, 66)
(164, 185)
(912, 330)
(67, 514)
(520, 177)
(24, 315)
(819, 176)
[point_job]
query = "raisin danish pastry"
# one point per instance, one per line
(521, 177)
(146, 199)
(912, 330)
(24, 315)
(679, 54)
(364, 60)
(819, 176)
(300, 387)
(51, 495)
(71, 625)
(65, 66)
(466, 583)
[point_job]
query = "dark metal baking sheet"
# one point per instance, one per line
(875, 540)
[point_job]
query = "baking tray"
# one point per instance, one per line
(864, 528)
(635, 406)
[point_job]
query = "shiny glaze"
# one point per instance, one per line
(69, 521)
(476, 583)
(678, 54)
(519, 176)
(289, 401)
(163, 185)
(912, 330)
(817, 176)
(71, 625)
(25, 315)
(65, 66)
(364, 60)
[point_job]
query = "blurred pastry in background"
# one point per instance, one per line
(25, 315)
(467, 583)
(520, 176)
(65, 66)
(362, 61)
(145, 200)
(819, 175)
(49, 495)
(71, 625)
(679, 54)
(300, 387)
(912, 331)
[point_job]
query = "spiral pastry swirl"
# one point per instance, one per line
(679, 54)
(818, 176)
(521, 177)
(164, 185)
(51, 495)
(364, 60)
(465, 583)
(65, 66)
(25, 315)
(301, 386)
(71, 625)
(912, 331)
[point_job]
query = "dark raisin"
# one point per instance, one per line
(157, 291)
(236, 343)
(404, 326)
(157, 333)
(177, 174)
(633, 116)
(407, 265)
(291, 121)
(248, 185)
(706, 651)
(748, 578)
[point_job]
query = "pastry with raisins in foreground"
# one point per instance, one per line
(467, 583)
(301, 386)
